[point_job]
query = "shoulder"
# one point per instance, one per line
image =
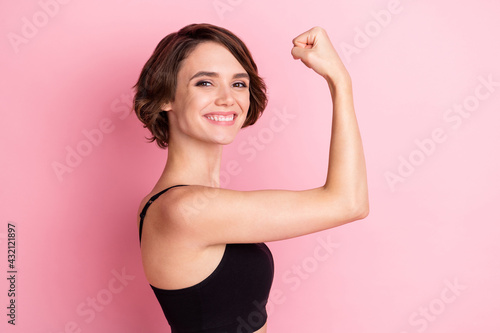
(160, 203)
(160, 213)
(186, 203)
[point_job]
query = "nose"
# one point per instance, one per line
(224, 96)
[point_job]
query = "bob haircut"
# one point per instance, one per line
(158, 80)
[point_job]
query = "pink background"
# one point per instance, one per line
(426, 258)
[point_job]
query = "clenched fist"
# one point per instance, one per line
(315, 50)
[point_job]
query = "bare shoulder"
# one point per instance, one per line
(161, 208)
(182, 204)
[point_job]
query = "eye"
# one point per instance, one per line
(203, 84)
(240, 84)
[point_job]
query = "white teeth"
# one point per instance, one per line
(221, 118)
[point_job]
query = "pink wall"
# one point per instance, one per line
(426, 80)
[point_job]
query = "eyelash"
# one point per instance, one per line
(202, 83)
(206, 83)
(243, 84)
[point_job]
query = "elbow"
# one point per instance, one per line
(361, 206)
(351, 212)
(363, 212)
(360, 209)
(349, 208)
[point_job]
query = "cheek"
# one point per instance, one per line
(192, 105)
(198, 103)
(245, 103)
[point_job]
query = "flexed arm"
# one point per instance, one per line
(230, 216)
(346, 167)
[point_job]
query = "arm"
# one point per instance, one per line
(229, 216)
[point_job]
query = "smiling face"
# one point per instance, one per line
(212, 97)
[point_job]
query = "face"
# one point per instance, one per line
(212, 96)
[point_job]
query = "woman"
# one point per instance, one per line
(202, 246)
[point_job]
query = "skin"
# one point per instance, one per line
(183, 241)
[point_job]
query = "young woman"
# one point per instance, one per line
(202, 246)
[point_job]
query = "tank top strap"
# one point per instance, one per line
(146, 206)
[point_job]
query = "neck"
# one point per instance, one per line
(192, 163)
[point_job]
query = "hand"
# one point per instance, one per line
(315, 50)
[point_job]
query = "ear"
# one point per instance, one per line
(166, 106)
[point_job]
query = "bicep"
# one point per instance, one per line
(216, 216)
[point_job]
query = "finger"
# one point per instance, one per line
(304, 40)
(307, 39)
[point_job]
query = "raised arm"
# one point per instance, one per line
(217, 216)
(346, 169)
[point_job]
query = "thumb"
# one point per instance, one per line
(299, 52)
(302, 54)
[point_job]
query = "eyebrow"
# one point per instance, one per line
(214, 74)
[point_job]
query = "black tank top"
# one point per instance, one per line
(231, 299)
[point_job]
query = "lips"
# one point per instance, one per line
(221, 118)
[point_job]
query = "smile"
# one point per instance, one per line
(221, 118)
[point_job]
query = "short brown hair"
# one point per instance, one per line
(158, 80)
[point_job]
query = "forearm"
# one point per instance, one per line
(346, 176)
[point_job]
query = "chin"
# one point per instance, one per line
(224, 137)
(223, 141)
